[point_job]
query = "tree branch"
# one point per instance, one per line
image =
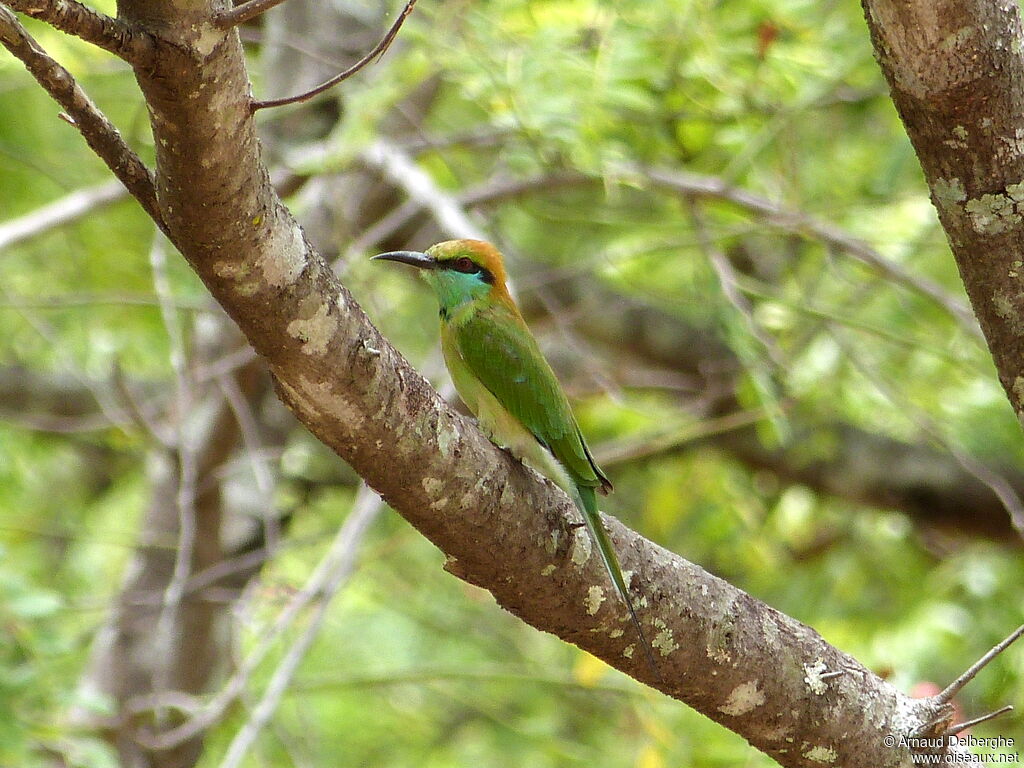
(337, 565)
(956, 75)
(81, 21)
(99, 133)
(953, 730)
(679, 183)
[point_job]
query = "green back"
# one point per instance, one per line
(502, 353)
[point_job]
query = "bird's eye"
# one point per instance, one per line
(465, 264)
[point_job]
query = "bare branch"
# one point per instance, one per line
(69, 300)
(74, 18)
(63, 211)
(953, 730)
(378, 50)
(143, 420)
(244, 12)
(99, 133)
(610, 455)
(957, 685)
(255, 452)
(399, 168)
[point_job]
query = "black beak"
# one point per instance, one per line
(413, 258)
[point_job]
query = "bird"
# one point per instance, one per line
(503, 378)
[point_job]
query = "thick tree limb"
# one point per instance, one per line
(99, 133)
(956, 74)
(80, 20)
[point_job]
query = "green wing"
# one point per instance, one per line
(504, 356)
(502, 353)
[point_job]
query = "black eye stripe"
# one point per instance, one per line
(467, 266)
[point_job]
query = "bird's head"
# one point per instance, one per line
(458, 270)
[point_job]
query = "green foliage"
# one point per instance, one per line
(413, 667)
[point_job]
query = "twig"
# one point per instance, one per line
(489, 137)
(955, 687)
(60, 212)
(223, 366)
(498, 190)
(340, 562)
(136, 412)
(81, 21)
(63, 425)
(378, 50)
(244, 12)
(62, 301)
(999, 485)
(105, 400)
(953, 730)
(384, 227)
(387, 157)
(223, 569)
(99, 133)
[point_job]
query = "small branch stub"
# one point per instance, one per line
(244, 12)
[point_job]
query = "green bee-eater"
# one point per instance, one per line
(501, 375)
